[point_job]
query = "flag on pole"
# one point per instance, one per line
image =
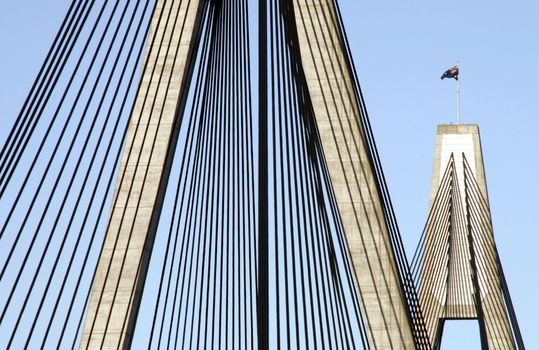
(451, 73)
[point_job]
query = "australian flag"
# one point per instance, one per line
(451, 73)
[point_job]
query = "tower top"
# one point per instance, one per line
(456, 140)
(457, 129)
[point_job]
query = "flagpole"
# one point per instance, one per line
(458, 93)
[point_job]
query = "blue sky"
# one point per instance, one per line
(401, 49)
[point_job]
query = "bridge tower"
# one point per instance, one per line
(326, 76)
(461, 273)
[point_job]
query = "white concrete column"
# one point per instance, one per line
(336, 111)
(143, 176)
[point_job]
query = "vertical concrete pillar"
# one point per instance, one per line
(337, 116)
(143, 176)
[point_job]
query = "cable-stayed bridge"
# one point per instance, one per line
(181, 177)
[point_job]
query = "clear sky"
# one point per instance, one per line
(401, 49)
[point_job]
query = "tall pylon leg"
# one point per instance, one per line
(143, 175)
(329, 82)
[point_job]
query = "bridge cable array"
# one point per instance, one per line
(59, 168)
(206, 289)
(315, 304)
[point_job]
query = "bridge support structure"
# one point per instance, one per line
(149, 150)
(143, 175)
(330, 82)
(461, 273)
